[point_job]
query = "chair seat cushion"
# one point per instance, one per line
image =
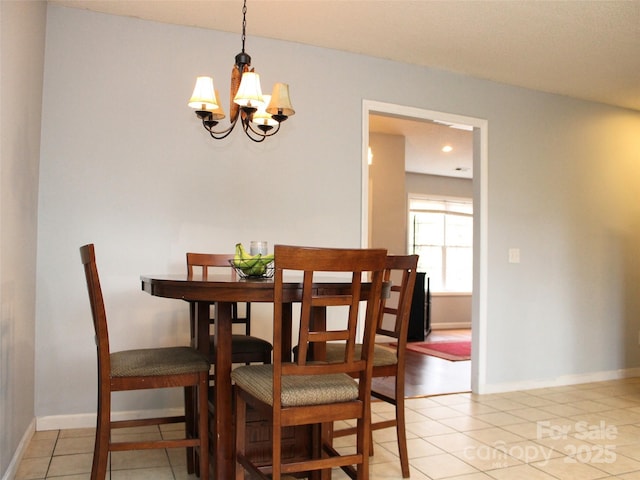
(297, 390)
(247, 344)
(150, 362)
(381, 355)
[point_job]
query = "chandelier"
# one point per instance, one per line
(260, 115)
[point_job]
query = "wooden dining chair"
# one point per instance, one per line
(390, 348)
(166, 367)
(245, 348)
(305, 392)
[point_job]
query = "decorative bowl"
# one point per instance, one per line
(253, 268)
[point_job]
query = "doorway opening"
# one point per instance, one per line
(477, 128)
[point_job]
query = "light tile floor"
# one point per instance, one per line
(585, 432)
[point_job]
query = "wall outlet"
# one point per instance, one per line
(514, 255)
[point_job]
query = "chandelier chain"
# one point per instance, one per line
(244, 23)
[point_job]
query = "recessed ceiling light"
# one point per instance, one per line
(447, 148)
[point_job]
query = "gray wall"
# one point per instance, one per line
(124, 164)
(437, 185)
(22, 30)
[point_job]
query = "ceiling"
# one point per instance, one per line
(584, 49)
(424, 141)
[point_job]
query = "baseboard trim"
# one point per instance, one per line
(88, 420)
(450, 326)
(12, 469)
(561, 381)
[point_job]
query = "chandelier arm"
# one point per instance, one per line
(257, 140)
(221, 134)
(248, 128)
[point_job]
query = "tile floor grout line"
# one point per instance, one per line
(622, 412)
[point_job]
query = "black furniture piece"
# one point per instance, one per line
(420, 315)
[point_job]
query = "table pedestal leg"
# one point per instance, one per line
(223, 447)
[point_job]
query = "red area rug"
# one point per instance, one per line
(454, 351)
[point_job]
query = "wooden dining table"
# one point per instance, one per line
(223, 291)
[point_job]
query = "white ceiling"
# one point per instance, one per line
(583, 49)
(424, 141)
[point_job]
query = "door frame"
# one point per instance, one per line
(479, 317)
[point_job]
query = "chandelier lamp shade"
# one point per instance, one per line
(260, 115)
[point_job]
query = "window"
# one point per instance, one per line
(441, 232)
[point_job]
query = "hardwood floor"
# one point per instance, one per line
(426, 375)
(454, 335)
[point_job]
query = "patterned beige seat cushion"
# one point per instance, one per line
(157, 361)
(381, 355)
(296, 390)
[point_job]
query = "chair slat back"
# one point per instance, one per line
(96, 300)
(359, 263)
(207, 260)
(393, 320)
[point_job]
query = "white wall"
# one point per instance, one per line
(22, 27)
(125, 165)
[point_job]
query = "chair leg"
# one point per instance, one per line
(371, 433)
(401, 431)
(203, 424)
(325, 435)
(363, 435)
(103, 436)
(190, 414)
(241, 415)
(276, 454)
